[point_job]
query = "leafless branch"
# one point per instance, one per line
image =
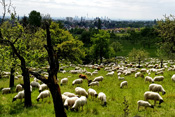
(39, 76)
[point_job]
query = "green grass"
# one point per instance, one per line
(94, 108)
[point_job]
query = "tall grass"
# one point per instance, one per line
(110, 86)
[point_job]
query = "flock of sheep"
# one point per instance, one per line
(74, 101)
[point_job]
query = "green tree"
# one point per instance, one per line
(165, 28)
(138, 55)
(100, 47)
(117, 47)
(35, 18)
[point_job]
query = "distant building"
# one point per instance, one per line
(69, 19)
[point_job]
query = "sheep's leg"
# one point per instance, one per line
(154, 102)
(138, 108)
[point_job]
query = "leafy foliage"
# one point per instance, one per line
(139, 54)
(165, 28)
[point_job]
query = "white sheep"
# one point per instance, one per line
(124, 83)
(35, 84)
(64, 81)
(158, 78)
(20, 95)
(93, 83)
(69, 94)
(173, 78)
(6, 90)
(143, 70)
(144, 103)
(81, 91)
(77, 81)
(148, 95)
(102, 97)
(80, 102)
(99, 78)
(137, 74)
(92, 92)
(110, 73)
(148, 78)
(88, 73)
(64, 97)
(43, 94)
(157, 88)
(121, 78)
(19, 88)
(69, 102)
(42, 87)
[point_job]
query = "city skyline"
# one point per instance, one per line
(113, 9)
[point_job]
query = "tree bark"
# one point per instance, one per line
(52, 80)
(12, 71)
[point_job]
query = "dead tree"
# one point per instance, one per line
(52, 79)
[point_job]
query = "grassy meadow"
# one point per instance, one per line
(110, 86)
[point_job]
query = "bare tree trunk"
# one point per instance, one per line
(161, 63)
(52, 84)
(12, 71)
(57, 100)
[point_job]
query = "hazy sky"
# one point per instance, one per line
(114, 9)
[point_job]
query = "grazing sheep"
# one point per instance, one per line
(173, 78)
(64, 97)
(19, 88)
(88, 73)
(42, 87)
(137, 74)
(102, 97)
(121, 78)
(95, 72)
(6, 90)
(20, 95)
(124, 83)
(69, 94)
(92, 92)
(80, 102)
(93, 83)
(43, 94)
(69, 102)
(148, 78)
(80, 91)
(35, 84)
(77, 81)
(82, 76)
(99, 78)
(158, 78)
(144, 103)
(143, 70)
(156, 88)
(110, 73)
(148, 95)
(64, 81)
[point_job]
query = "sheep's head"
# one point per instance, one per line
(66, 107)
(160, 101)
(152, 106)
(37, 100)
(13, 99)
(89, 81)
(163, 93)
(105, 104)
(96, 95)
